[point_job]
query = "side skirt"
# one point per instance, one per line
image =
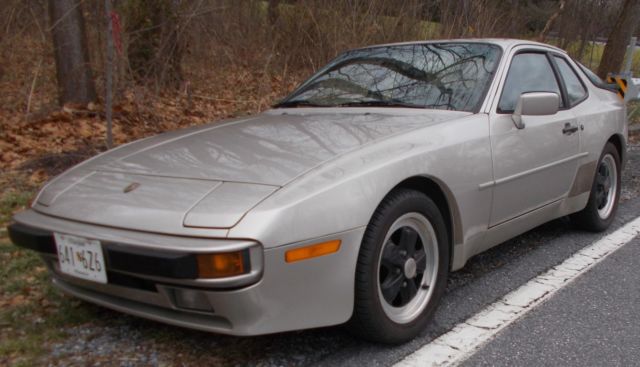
(516, 226)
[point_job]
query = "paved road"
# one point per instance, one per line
(595, 321)
(521, 259)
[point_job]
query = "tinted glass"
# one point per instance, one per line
(452, 76)
(575, 89)
(529, 72)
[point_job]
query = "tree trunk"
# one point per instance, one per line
(552, 20)
(75, 80)
(272, 11)
(621, 33)
(155, 50)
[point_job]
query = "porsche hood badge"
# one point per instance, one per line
(132, 186)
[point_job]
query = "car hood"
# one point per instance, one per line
(272, 148)
(210, 176)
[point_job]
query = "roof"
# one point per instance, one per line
(504, 43)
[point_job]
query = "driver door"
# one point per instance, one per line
(536, 165)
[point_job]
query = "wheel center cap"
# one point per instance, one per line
(410, 268)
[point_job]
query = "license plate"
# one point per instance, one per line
(81, 257)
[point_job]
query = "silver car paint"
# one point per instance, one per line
(171, 202)
(345, 194)
(532, 166)
(271, 149)
(313, 293)
(183, 176)
(331, 181)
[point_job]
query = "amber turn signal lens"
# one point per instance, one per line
(308, 252)
(221, 265)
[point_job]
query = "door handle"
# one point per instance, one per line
(569, 129)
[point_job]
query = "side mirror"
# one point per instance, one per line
(535, 104)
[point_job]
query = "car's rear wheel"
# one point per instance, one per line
(605, 193)
(402, 268)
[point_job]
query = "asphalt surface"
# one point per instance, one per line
(522, 259)
(594, 321)
(485, 279)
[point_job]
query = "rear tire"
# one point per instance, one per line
(402, 269)
(605, 193)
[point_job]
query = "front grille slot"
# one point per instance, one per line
(129, 281)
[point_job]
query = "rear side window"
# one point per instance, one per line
(576, 91)
(529, 72)
(594, 78)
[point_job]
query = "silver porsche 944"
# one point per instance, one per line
(348, 202)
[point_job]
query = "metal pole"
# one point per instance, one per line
(109, 74)
(631, 50)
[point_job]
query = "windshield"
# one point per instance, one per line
(451, 76)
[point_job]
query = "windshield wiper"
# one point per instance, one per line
(299, 103)
(380, 103)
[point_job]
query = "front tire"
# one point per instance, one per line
(605, 193)
(402, 269)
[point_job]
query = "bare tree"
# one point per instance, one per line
(481, 18)
(619, 37)
(547, 27)
(273, 12)
(75, 80)
(155, 49)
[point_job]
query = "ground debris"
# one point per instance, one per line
(47, 143)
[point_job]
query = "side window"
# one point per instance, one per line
(529, 72)
(575, 89)
(594, 78)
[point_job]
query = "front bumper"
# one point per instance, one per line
(283, 296)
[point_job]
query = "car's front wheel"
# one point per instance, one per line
(402, 268)
(605, 193)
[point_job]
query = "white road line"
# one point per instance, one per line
(464, 339)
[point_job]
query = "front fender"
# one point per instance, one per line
(344, 193)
